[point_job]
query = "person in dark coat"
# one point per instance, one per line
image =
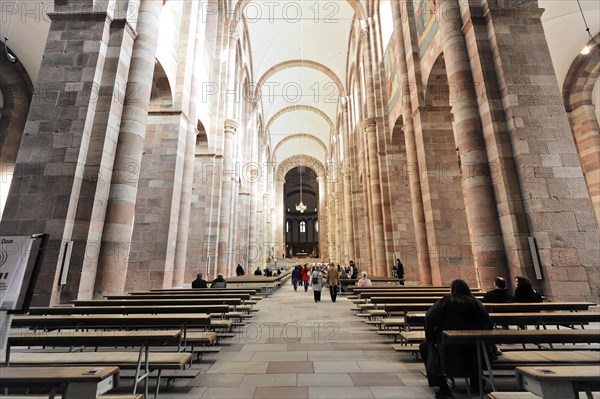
(257, 272)
(297, 277)
(219, 282)
(400, 271)
(239, 270)
(499, 294)
(199, 282)
(458, 311)
(353, 270)
(525, 292)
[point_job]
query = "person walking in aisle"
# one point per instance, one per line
(305, 277)
(297, 277)
(316, 281)
(400, 271)
(333, 280)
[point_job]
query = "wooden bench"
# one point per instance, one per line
(559, 382)
(158, 361)
(413, 349)
(134, 301)
(537, 319)
(221, 325)
(108, 396)
(482, 338)
(71, 310)
(143, 340)
(512, 395)
(77, 381)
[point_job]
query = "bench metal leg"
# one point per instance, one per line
(157, 383)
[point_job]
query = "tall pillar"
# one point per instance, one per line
(348, 214)
(378, 240)
(98, 169)
(195, 48)
(480, 205)
(559, 212)
(414, 176)
(225, 222)
(49, 169)
(120, 212)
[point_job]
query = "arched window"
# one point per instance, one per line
(287, 226)
(302, 227)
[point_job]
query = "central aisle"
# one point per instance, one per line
(296, 348)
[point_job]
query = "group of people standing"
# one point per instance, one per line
(318, 277)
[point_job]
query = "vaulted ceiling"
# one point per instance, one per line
(299, 51)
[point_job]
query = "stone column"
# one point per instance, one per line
(480, 205)
(559, 211)
(228, 181)
(195, 49)
(414, 175)
(49, 169)
(120, 212)
(98, 169)
(378, 240)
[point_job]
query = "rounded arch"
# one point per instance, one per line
(16, 91)
(299, 160)
(356, 5)
(437, 89)
(162, 93)
(294, 108)
(298, 64)
(300, 136)
(581, 78)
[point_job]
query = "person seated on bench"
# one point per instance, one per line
(257, 272)
(364, 281)
(458, 311)
(499, 294)
(199, 282)
(525, 292)
(239, 270)
(345, 284)
(219, 282)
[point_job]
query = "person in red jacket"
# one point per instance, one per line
(305, 277)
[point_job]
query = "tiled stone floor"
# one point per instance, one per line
(294, 348)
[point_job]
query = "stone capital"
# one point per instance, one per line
(231, 126)
(369, 124)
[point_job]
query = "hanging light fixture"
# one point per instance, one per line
(586, 50)
(300, 207)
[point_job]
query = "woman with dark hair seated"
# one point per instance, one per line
(525, 292)
(458, 311)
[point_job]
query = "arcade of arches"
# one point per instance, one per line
(459, 136)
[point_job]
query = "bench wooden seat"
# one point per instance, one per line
(559, 382)
(412, 336)
(223, 325)
(201, 337)
(406, 348)
(377, 313)
(392, 322)
(509, 359)
(108, 396)
(512, 395)
(395, 333)
(124, 360)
